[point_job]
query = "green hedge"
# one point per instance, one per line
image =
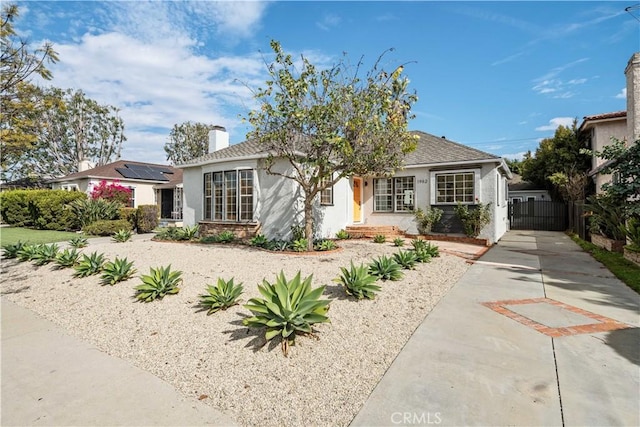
(106, 227)
(147, 218)
(41, 209)
(131, 215)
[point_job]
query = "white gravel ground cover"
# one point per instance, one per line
(324, 381)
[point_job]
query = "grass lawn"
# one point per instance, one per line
(621, 267)
(11, 235)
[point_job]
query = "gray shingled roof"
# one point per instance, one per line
(430, 150)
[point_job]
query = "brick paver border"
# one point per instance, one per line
(603, 324)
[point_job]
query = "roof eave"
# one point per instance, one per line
(223, 160)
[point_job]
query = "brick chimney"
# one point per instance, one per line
(218, 139)
(633, 97)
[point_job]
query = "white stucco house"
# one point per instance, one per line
(149, 183)
(229, 188)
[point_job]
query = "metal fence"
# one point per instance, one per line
(538, 215)
(578, 219)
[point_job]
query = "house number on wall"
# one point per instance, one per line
(422, 181)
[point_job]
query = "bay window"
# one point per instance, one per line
(228, 196)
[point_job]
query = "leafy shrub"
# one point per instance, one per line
(147, 218)
(41, 209)
(632, 230)
(473, 220)
(297, 232)
(117, 271)
(111, 191)
(278, 245)
(78, 242)
(398, 242)
(131, 215)
(385, 268)
(426, 219)
(89, 211)
(606, 216)
(67, 258)
(160, 282)
(379, 238)
(28, 252)
(288, 308)
(46, 254)
(89, 265)
(325, 245)
(407, 259)
(223, 295)
(11, 250)
(342, 235)
(299, 245)
(121, 236)
(358, 282)
(259, 241)
(106, 227)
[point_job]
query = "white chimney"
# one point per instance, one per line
(85, 165)
(632, 73)
(218, 139)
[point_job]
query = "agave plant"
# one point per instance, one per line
(325, 245)
(299, 245)
(358, 282)
(289, 307)
(160, 282)
(278, 245)
(259, 240)
(89, 265)
(46, 254)
(117, 271)
(386, 268)
(67, 258)
(190, 232)
(406, 259)
(418, 244)
(78, 242)
(11, 250)
(422, 255)
(223, 295)
(28, 252)
(432, 250)
(226, 237)
(398, 242)
(342, 234)
(121, 236)
(379, 238)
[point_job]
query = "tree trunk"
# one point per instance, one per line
(308, 222)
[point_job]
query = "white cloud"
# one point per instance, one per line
(622, 94)
(551, 83)
(514, 156)
(328, 21)
(555, 122)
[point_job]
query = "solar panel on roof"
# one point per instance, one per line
(128, 173)
(161, 169)
(143, 172)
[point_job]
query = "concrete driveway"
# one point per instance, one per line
(535, 333)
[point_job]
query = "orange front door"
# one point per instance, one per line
(357, 199)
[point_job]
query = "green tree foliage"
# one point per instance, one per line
(515, 165)
(623, 162)
(187, 141)
(562, 153)
(73, 128)
(20, 101)
(331, 123)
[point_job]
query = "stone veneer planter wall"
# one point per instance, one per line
(608, 244)
(632, 256)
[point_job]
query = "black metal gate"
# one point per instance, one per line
(538, 215)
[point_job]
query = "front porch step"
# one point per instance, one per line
(369, 231)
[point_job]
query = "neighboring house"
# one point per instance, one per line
(623, 125)
(150, 184)
(229, 188)
(28, 183)
(524, 191)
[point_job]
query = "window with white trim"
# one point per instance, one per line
(394, 194)
(228, 196)
(132, 197)
(326, 195)
(450, 187)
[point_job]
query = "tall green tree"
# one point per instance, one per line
(20, 100)
(331, 123)
(559, 154)
(73, 128)
(187, 141)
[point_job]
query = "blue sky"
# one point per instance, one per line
(497, 76)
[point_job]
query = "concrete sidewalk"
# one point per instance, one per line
(535, 333)
(52, 378)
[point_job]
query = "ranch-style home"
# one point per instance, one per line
(149, 183)
(229, 189)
